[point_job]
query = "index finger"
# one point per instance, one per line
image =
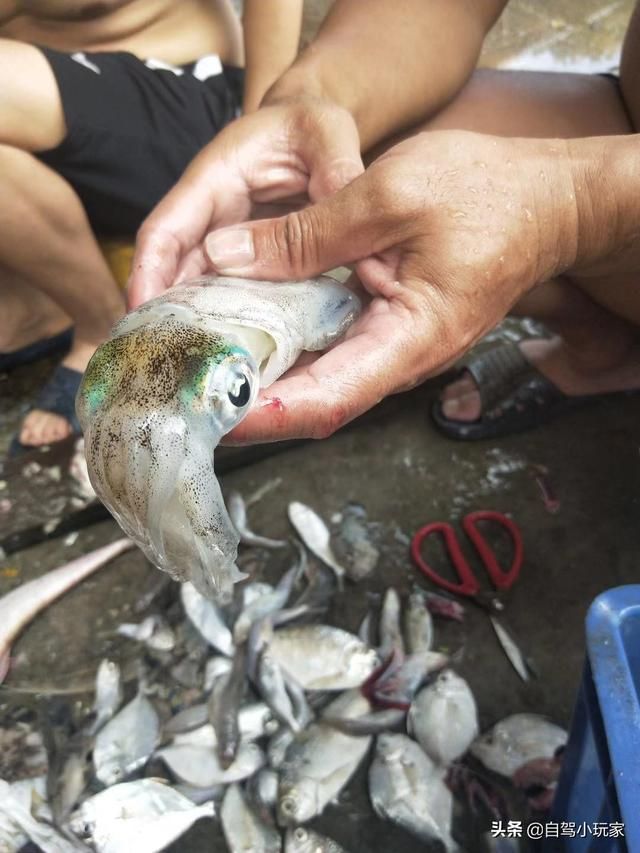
(174, 227)
(342, 384)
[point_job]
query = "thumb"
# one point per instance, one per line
(333, 156)
(338, 230)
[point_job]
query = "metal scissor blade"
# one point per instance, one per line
(511, 650)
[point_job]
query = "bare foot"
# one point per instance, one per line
(40, 427)
(562, 366)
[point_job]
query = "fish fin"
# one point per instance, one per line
(237, 575)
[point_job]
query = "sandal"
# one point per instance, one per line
(57, 396)
(514, 397)
(56, 345)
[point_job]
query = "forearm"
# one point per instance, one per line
(606, 178)
(391, 64)
(271, 38)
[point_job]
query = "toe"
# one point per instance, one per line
(464, 408)
(464, 385)
(40, 428)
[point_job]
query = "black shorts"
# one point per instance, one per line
(133, 127)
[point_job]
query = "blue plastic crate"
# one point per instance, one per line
(600, 780)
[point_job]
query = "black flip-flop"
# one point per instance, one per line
(514, 397)
(47, 347)
(57, 396)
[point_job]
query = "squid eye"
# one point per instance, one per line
(240, 391)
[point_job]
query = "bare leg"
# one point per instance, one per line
(27, 314)
(46, 243)
(596, 320)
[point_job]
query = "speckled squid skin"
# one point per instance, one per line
(178, 374)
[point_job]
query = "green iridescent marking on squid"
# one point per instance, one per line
(194, 388)
(99, 376)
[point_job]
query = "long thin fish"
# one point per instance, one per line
(375, 723)
(265, 605)
(224, 706)
(238, 513)
(19, 606)
(511, 650)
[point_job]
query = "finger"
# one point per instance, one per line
(178, 224)
(154, 264)
(334, 158)
(340, 229)
(341, 385)
(193, 265)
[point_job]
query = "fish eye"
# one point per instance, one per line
(289, 806)
(239, 391)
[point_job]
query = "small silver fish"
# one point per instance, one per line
(214, 669)
(444, 718)
(265, 605)
(187, 720)
(353, 545)
(366, 629)
(243, 830)
(224, 708)
(303, 840)
(398, 684)
(152, 631)
(319, 763)
(18, 607)
(407, 788)
(206, 617)
(177, 374)
(315, 535)
(271, 684)
(238, 514)
(418, 624)
(69, 771)
(254, 721)
(516, 740)
(374, 723)
(321, 657)
(301, 707)
(199, 766)
(22, 820)
(278, 746)
(253, 591)
(320, 588)
(213, 794)
(390, 630)
(126, 742)
(108, 693)
(145, 816)
(262, 791)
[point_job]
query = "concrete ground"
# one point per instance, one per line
(405, 474)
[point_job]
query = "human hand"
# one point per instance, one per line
(447, 230)
(300, 147)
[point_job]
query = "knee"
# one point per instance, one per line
(31, 114)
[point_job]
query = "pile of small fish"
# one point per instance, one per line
(287, 709)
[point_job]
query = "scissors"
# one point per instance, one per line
(467, 584)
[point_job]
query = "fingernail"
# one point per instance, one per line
(230, 248)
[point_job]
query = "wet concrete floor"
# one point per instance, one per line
(406, 475)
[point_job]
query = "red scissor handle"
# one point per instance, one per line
(468, 584)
